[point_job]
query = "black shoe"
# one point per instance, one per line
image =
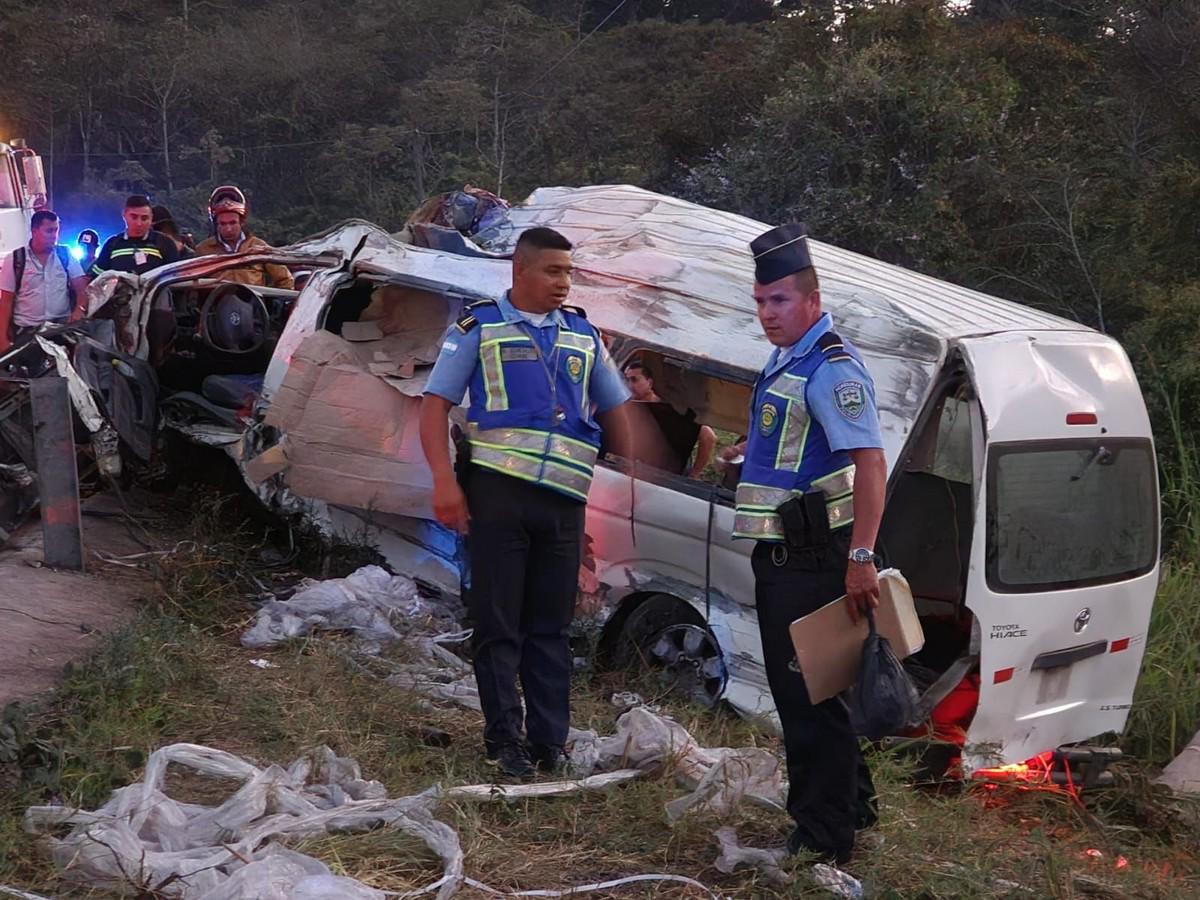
(548, 759)
(513, 760)
(798, 843)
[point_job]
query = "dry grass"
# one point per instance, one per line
(178, 674)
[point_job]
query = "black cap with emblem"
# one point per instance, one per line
(780, 252)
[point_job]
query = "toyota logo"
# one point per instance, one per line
(1081, 620)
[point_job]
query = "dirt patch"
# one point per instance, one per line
(49, 618)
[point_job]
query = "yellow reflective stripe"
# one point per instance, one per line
(533, 469)
(841, 512)
(791, 452)
(493, 378)
(531, 440)
(761, 496)
(576, 341)
(502, 331)
(836, 484)
(790, 386)
(759, 526)
(133, 251)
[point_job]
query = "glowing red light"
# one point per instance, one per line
(1033, 771)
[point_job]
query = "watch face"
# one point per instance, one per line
(862, 555)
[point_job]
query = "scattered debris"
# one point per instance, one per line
(1183, 774)
(837, 882)
(263, 664)
(141, 838)
(373, 604)
(734, 855)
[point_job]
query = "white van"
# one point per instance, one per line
(1022, 498)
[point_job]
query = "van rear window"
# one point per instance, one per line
(1066, 514)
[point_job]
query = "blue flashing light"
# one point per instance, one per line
(77, 252)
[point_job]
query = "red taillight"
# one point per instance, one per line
(1118, 646)
(1002, 675)
(1082, 418)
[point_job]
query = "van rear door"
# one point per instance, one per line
(1065, 558)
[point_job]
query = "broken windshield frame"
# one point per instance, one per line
(1065, 514)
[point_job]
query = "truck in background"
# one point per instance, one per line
(22, 193)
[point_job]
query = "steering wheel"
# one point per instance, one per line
(234, 320)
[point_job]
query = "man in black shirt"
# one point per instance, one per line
(139, 249)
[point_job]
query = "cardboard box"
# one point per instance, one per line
(829, 646)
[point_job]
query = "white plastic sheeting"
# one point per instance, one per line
(373, 604)
(143, 838)
(720, 778)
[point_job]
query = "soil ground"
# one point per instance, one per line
(49, 618)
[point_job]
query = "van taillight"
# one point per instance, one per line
(1082, 418)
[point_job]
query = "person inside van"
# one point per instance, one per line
(665, 438)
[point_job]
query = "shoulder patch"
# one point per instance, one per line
(850, 397)
(578, 310)
(484, 302)
(466, 322)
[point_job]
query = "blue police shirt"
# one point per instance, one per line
(840, 395)
(459, 356)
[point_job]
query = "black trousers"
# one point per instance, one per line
(525, 545)
(830, 792)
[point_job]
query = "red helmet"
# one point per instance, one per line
(226, 198)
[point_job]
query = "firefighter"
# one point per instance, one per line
(811, 494)
(542, 387)
(227, 212)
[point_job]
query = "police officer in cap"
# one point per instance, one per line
(542, 386)
(811, 494)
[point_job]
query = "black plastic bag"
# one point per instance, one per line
(884, 699)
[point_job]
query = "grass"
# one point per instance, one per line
(177, 673)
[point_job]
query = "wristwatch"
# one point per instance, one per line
(862, 555)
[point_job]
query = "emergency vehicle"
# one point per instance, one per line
(22, 193)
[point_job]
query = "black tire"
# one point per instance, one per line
(642, 627)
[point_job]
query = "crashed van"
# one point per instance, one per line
(1022, 497)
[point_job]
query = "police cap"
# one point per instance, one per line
(780, 252)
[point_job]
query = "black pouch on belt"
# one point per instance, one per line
(462, 456)
(805, 522)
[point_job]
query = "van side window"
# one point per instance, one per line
(681, 416)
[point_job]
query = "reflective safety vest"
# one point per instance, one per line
(787, 451)
(530, 414)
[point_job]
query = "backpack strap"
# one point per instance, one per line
(64, 257)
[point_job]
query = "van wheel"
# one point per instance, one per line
(666, 637)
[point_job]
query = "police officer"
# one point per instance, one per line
(811, 494)
(541, 387)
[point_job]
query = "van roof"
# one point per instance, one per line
(680, 275)
(634, 235)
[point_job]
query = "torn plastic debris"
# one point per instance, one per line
(143, 838)
(734, 855)
(721, 777)
(370, 602)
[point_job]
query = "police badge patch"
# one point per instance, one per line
(768, 419)
(575, 369)
(850, 398)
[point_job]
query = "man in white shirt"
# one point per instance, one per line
(39, 283)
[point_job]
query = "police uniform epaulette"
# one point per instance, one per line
(467, 320)
(833, 347)
(578, 310)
